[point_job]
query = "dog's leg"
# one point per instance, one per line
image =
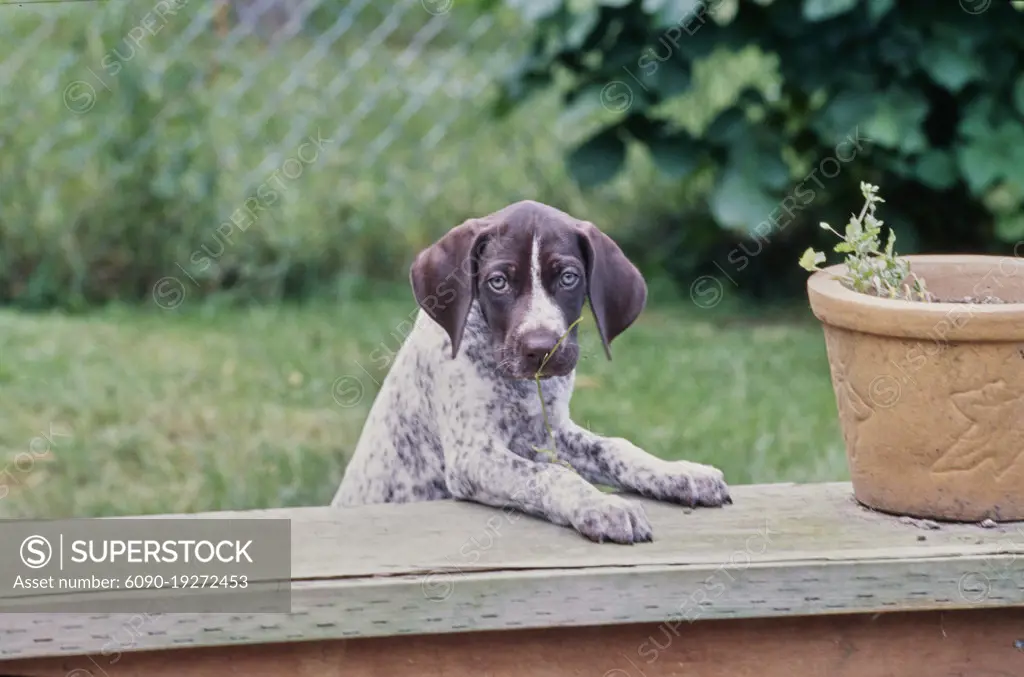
(482, 470)
(618, 463)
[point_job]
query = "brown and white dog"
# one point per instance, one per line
(458, 415)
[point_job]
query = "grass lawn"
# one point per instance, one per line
(207, 408)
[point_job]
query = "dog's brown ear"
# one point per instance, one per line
(443, 277)
(615, 287)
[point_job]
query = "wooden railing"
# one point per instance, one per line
(789, 581)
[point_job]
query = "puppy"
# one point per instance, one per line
(459, 416)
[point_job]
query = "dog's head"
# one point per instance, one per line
(531, 267)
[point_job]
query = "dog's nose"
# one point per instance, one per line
(537, 345)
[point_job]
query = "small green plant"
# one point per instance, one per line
(552, 452)
(870, 270)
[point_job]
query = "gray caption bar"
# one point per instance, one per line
(145, 565)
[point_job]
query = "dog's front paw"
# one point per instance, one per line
(611, 518)
(692, 484)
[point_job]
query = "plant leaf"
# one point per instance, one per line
(1018, 94)
(727, 126)
(811, 259)
(897, 119)
(820, 10)
(598, 159)
(672, 77)
(879, 8)
(1010, 227)
(950, 65)
(738, 201)
(676, 156)
(581, 24)
(989, 156)
(936, 169)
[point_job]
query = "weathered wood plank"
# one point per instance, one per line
(803, 521)
(781, 550)
(939, 644)
(513, 600)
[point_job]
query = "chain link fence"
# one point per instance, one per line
(287, 30)
(137, 138)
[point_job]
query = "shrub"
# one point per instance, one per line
(108, 191)
(934, 91)
(99, 201)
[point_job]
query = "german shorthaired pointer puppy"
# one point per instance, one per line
(459, 415)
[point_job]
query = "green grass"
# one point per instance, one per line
(206, 408)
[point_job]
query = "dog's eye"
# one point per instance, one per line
(569, 279)
(498, 283)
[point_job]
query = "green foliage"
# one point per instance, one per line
(932, 95)
(405, 20)
(869, 268)
(110, 191)
(135, 150)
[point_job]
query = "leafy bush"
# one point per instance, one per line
(928, 97)
(96, 202)
(122, 166)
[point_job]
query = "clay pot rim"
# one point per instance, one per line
(836, 305)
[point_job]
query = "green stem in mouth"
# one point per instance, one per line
(543, 408)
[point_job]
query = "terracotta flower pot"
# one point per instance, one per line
(931, 395)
